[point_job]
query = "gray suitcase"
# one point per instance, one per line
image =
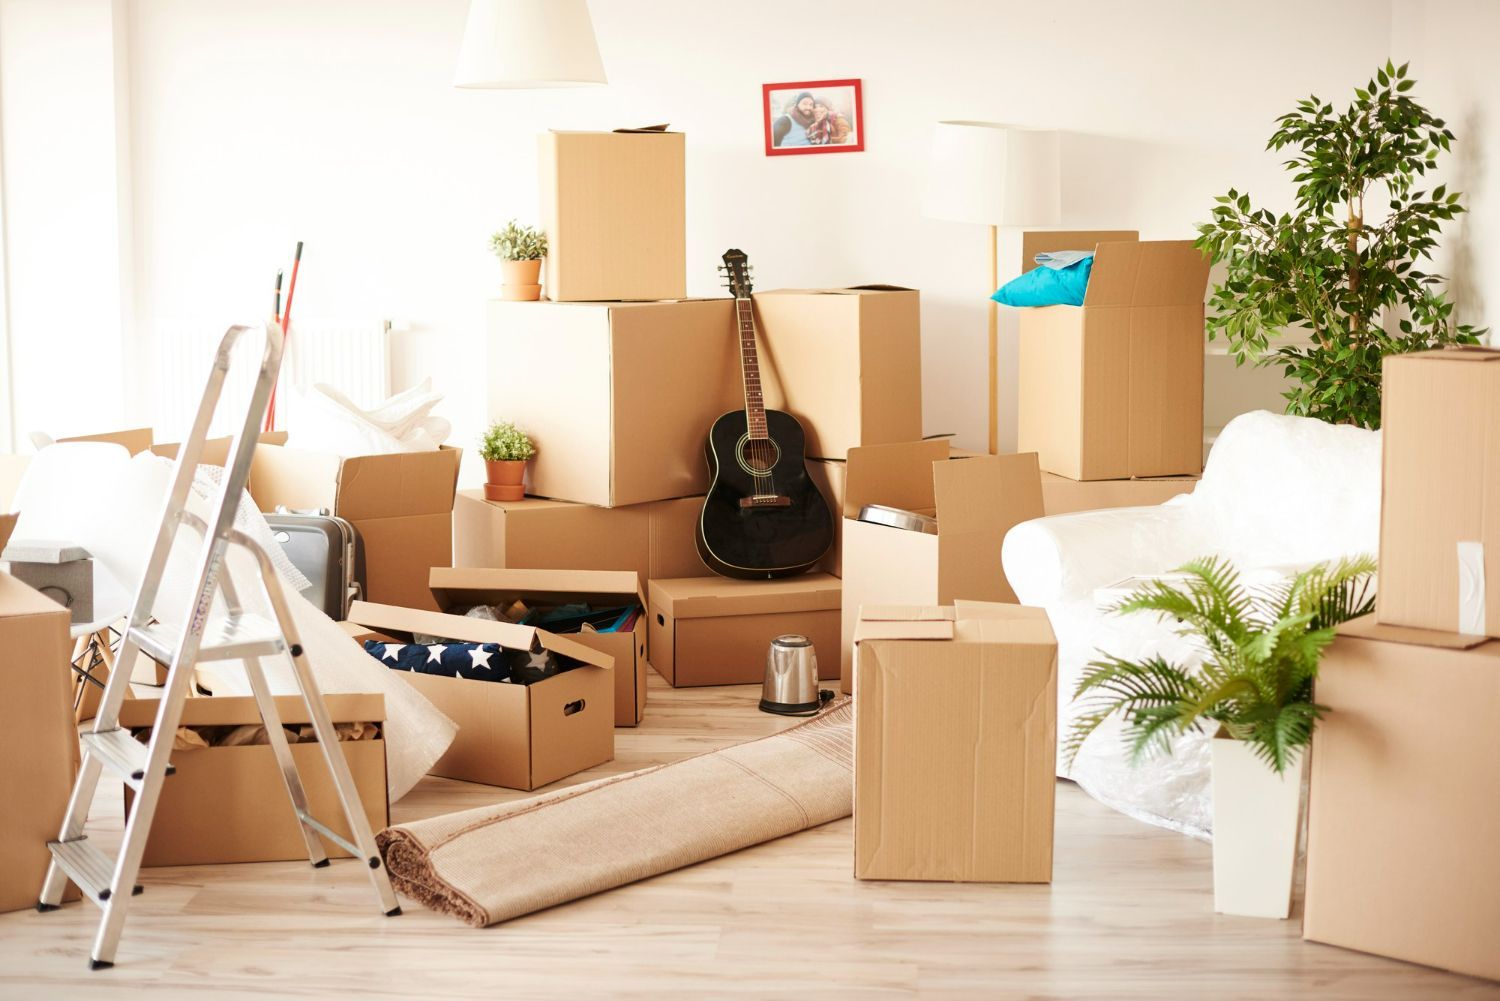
(330, 554)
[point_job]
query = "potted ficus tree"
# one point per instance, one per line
(1260, 653)
(520, 249)
(505, 449)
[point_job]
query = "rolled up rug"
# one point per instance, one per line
(479, 865)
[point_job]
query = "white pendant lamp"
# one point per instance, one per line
(528, 43)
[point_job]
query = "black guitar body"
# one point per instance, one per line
(740, 536)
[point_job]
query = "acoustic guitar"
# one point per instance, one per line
(763, 516)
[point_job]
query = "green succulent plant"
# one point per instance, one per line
(519, 243)
(505, 442)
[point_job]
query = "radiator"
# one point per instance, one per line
(353, 356)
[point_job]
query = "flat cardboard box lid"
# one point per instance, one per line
(638, 130)
(1458, 353)
(238, 710)
(465, 629)
(1366, 628)
(966, 622)
(1151, 273)
(710, 597)
(491, 586)
(903, 622)
(41, 551)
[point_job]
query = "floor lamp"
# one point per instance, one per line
(999, 175)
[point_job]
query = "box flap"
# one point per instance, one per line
(459, 627)
(1458, 352)
(7, 525)
(897, 475)
(453, 586)
(903, 622)
(979, 500)
(1050, 241)
(238, 710)
(394, 486)
(298, 479)
(135, 440)
(998, 622)
(710, 597)
(1367, 628)
(1153, 273)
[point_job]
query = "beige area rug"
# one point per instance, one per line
(499, 862)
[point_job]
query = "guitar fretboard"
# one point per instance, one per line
(755, 404)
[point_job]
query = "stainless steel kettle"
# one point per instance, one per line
(791, 685)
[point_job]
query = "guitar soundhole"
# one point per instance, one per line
(758, 456)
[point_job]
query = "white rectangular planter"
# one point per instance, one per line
(1256, 814)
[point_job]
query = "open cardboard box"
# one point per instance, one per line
(976, 500)
(454, 587)
(230, 804)
(515, 736)
(1114, 388)
(955, 741)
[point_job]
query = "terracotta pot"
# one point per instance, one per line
(1256, 820)
(505, 478)
(520, 280)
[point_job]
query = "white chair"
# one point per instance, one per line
(1277, 493)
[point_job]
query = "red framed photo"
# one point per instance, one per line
(813, 116)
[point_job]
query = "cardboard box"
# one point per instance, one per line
(1402, 814)
(38, 741)
(135, 440)
(716, 631)
(651, 540)
(402, 506)
(613, 205)
(1440, 492)
(454, 587)
(847, 363)
(1061, 495)
(618, 397)
(955, 739)
(976, 501)
(1114, 388)
(515, 736)
(230, 804)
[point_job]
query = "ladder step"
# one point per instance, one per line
(233, 638)
(87, 866)
(121, 753)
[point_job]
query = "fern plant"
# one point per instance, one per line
(519, 243)
(503, 441)
(1261, 655)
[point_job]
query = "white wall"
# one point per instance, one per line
(253, 125)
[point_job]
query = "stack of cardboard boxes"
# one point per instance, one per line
(1111, 392)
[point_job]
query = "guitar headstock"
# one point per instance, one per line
(737, 272)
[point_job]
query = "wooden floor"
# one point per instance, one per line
(1129, 915)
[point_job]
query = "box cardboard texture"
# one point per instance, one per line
(613, 205)
(1114, 388)
(716, 631)
(515, 736)
(230, 804)
(955, 720)
(1440, 491)
(652, 540)
(618, 397)
(847, 363)
(1402, 815)
(1061, 495)
(601, 588)
(401, 504)
(38, 740)
(976, 501)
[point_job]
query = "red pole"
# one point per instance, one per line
(286, 333)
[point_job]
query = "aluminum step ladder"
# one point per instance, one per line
(111, 883)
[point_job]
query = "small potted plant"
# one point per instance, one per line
(505, 449)
(1255, 688)
(520, 249)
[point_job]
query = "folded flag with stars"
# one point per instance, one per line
(475, 661)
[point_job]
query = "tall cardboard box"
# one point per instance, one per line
(651, 540)
(1114, 388)
(401, 504)
(618, 397)
(1061, 495)
(976, 501)
(515, 736)
(38, 740)
(230, 804)
(846, 362)
(716, 631)
(1440, 491)
(955, 739)
(1403, 817)
(453, 587)
(614, 208)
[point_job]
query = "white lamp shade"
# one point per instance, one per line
(1002, 175)
(528, 43)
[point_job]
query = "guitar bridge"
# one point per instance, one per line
(766, 500)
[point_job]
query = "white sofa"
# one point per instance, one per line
(1277, 493)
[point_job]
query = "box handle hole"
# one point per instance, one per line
(661, 620)
(576, 706)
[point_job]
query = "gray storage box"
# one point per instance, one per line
(62, 571)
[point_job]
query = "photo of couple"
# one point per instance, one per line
(820, 116)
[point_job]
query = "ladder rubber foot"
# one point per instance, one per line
(394, 912)
(100, 964)
(323, 864)
(44, 908)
